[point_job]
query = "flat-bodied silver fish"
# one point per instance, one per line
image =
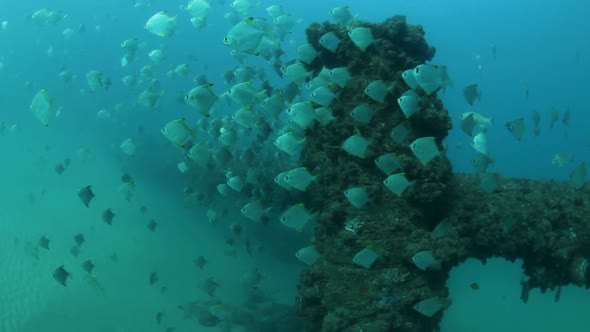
(578, 175)
(299, 178)
(409, 103)
(43, 242)
(96, 80)
(296, 217)
(245, 36)
(340, 76)
(481, 162)
(61, 275)
(43, 106)
(361, 37)
(161, 24)
(481, 120)
(516, 128)
(362, 113)
(275, 10)
(428, 77)
(255, 211)
(244, 93)
(323, 96)
(429, 307)
(308, 255)
(377, 90)
(302, 114)
(149, 97)
(236, 183)
(324, 115)
(288, 143)
(365, 258)
(470, 93)
(410, 79)
(274, 104)
(245, 117)
(388, 163)
(86, 195)
(425, 149)
(178, 132)
(357, 196)
(399, 133)
(243, 6)
(425, 260)
(341, 15)
(202, 98)
(356, 145)
(330, 41)
(468, 124)
(488, 182)
(480, 143)
(561, 159)
(296, 72)
(129, 147)
(306, 53)
(397, 183)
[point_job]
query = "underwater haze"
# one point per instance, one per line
(170, 165)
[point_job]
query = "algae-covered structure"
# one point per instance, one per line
(395, 220)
